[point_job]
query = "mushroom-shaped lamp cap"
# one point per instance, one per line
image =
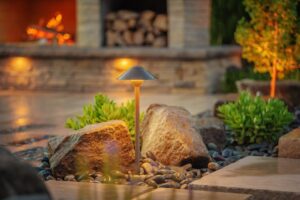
(136, 73)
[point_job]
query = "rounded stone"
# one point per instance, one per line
(158, 179)
(213, 166)
(184, 186)
(69, 177)
(227, 152)
(212, 146)
(147, 168)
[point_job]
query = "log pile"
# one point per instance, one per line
(128, 28)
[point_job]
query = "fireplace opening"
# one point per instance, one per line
(135, 23)
(38, 21)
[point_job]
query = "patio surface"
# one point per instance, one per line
(77, 191)
(263, 177)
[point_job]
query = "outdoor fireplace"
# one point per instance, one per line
(110, 23)
(29, 21)
(168, 37)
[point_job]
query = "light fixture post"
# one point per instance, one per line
(137, 86)
(137, 75)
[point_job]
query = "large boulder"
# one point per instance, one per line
(91, 149)
(19, 180)
(289, 145)
(212, 130)
(167, 132)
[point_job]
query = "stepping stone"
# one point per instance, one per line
(263, 177)
(175, 194)
(63, 190)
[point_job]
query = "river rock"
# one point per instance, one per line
(212, 130)
(289, 145)
(91, 148)
(168, 132)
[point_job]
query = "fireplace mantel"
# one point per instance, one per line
(79, 52)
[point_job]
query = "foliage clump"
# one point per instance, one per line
(105, 109)
(270, 39)
(255, 120)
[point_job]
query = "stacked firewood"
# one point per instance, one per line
(128, 28)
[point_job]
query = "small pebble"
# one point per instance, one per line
(184, 186)
(45, 159)
(227, 153)
(48, 178)
(213, 166)
(212, 146)
(151, 183)
(148, 168)
(70, 177)
(158, 179)
(170, 184)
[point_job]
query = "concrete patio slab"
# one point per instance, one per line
(175, 194)
(61, 190)
(78, 191)
(263, 177)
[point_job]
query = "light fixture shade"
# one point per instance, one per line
(136, 73)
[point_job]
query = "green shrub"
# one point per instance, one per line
(254, 120)
(104, 110)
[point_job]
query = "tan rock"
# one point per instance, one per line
(167, 131)
(91, 148)
(289, 145)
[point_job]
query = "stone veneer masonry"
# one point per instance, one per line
(189, 22)
(77, 69)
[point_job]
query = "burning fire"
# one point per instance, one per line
(52, 32)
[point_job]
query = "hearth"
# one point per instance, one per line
(29, 21)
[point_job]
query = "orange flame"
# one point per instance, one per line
(52, 31)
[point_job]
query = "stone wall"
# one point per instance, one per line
(188, 21)
(74, 69)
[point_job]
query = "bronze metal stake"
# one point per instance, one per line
(137, 85)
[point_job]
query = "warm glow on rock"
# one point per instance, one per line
(19, 64)
(123, 64)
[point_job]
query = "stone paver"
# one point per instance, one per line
(78, 191)
(265, 178)
(61, 190)
(175, 194)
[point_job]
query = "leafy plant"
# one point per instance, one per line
(105, 109)
(271, 38)
(254, 120)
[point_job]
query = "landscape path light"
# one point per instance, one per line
(137, 75)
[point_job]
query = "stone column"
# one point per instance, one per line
(176, 23)
(189, 23)
(89, 23)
